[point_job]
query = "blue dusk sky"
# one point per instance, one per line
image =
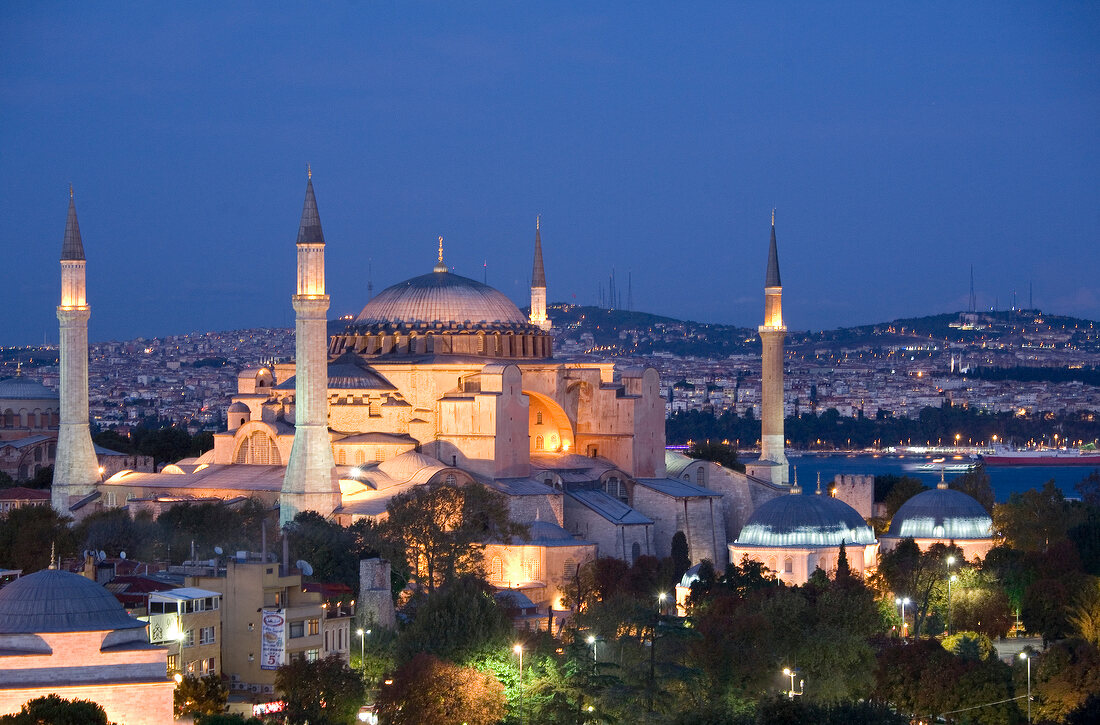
(900, 142)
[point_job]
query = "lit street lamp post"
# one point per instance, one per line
(950, 580)
(801, 683)
(592, 641)
(518, 649)
(362, 646)
(902, 601)
(1024, 656)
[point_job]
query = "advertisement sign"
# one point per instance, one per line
(272, 635)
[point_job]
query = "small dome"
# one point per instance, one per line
(238, 407)
(57, 601)
(691, 576)
(440, 297)
(20, 388)
(547, 533)
(941, 513)
(805, 520)
(406, 465)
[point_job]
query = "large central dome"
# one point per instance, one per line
(440, 297)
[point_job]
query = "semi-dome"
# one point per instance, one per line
(440, 297)
(941, 513)
(798, 520)
(57, 601)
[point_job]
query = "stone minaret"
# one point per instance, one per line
(310, 483)
(75, 469)
(772, 333)
(538, 285)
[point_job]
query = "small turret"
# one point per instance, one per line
(538, 284)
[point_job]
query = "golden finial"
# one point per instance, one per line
(819, 483)
(536, 222)
(53, 565)
(309, 172)
(439, 266)
(70, 191)
(19, 369)
(773, 216)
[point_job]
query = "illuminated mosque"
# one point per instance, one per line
(441, 378)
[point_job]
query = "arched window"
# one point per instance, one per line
(788, 565)
(538, 443)
(9, 418)
(771, 564)
(699, 475)
(570, 569)
(359, 456)
(496, 570)
(342, 458)
(538, 417)
(258, 448)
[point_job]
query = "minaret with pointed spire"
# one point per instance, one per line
(772, 334)
(310, 483)
(76, 469)
(538, 285)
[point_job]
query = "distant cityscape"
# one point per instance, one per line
(899, 367)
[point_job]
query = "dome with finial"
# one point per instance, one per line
(51, 600)
(941, 513)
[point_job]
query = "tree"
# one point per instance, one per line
(427, 689)
(457, 622)
(322, 691)
(1084, 613)
(681, 556)
(906, 571)
(444, 528)
(970, 646)
(114, 531)
(1035, 520)
(211, 524)
(113, 441)
(903, 489)
(26, 536)
(200, 696)
(327, 546)
(55, 710)
(227, 719)
(1068, 672)
(721, 453)
(843, 568)
(1089, 488)
(42, 478)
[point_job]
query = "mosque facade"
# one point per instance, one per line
(441, 379)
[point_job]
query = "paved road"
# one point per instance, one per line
(1009, 648)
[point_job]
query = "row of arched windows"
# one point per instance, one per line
(30, 419)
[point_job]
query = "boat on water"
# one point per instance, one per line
(1006, 456)
(940, 465)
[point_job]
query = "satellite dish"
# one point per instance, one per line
(218, 550)
(102, 555)
(304, 567)
(122, 555)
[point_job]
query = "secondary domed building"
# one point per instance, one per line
(63, 634)
(29, 417)
(942, 516)
(795, 534)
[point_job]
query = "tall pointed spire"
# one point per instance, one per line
(309, 231)
(538, 274)
(72, 248)
(772, 279)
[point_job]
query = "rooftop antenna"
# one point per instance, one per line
(485, 272)
(370, 280)
(973, 300)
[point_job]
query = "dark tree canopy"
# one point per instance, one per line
(322, 691)
(55, 710)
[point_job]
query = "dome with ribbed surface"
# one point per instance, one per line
(440, 297)
(20, 388)
(941, 513)
(57, 601)
(799, 520)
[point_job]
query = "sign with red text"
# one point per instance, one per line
(273, 638)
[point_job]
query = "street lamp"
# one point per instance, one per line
(518, 649)
(661, 602)
(592, 641)
(902, 601)
(801, 683)
(1024, 656)
(362, 646)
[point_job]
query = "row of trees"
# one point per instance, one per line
(828, 429)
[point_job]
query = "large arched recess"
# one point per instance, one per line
(548, 424)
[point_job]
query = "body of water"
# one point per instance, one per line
(1004, 479)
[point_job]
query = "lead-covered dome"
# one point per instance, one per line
(57, 601)
(941, 513)
(440, 297)
(798, 520)
(20, 388)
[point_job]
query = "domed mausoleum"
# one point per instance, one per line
(942, 516)
(795, 534)
(63, 634)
